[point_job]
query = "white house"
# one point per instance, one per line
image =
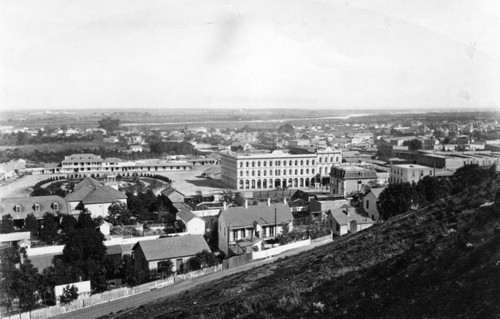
(194, 225)
(342, 222)
(90, 194)
(248, 223)
(370, 203)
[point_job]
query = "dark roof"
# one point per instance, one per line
(95, 195)
(185, 215)
(263, 214)
(7, 206)
(87, 181)
(114, 250)
(172, 247)
(41, 262)
(376, 191)
(82, 158)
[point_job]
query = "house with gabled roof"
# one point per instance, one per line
(90, 194)
(194, 225)
(173, 195)
(153, 254)
(370, 203)
(343, 221)
(20, 207)
(247, 223)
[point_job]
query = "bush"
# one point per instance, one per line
(70, 293)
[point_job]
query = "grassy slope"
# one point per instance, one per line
(441, 261)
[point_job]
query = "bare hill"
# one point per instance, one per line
(442, 261)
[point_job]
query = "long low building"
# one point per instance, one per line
(82, 164)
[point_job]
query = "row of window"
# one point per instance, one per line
(287, 162)
(36, 207)
(277, 172)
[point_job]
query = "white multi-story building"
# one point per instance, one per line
(277, 169)
(409, 173)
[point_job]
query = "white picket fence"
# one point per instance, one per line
(111, 295)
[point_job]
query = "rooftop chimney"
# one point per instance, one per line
(268, 201)
(284, 200)
(225, 205)
(246, 203)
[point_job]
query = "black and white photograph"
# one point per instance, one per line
(249, 159)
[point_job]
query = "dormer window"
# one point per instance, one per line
(36, 207)
(17, 208)
(55, 206)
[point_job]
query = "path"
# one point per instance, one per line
(154, 295)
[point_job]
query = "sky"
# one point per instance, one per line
(394, 54)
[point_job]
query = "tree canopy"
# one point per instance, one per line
(109, 124)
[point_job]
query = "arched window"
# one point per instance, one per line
(36, 207)
(247, 164)
(241, 164)
(301, 162)
(55, 206)
(241, 173)
(290, 163)
(253, 173)
(307, 162)
(320, 159)
(312, 162)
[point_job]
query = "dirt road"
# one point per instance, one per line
(154, 295)
(21, 186)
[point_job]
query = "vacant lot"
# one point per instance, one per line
(22, 186)
(189, 182)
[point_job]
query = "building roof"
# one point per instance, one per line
(185, 215)
(82, 158)
(262, 213)
(173, 195)
(376, 191)
(95, 195)
(113, 160)
(354, 172)
(87, 181)
(114, 250)
(27, 205)
(344, 219)
(172, 247)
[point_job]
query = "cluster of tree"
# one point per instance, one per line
(286, 128)
(399, 198)
(57, 156)
(23, 138)
(173, 148)
(201, 260)
(52, 189)
(109, 124)
(413, 145)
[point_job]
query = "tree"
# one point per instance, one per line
(85, 220)
(85, 251)
(109, 124)
(7, 225)
(119, 214)
(40, 191)
(394, 200)
(48, 232)
(69, 294)
(9, 259)
(130, 273)
(31, 224)
(26, 285)
(413, 145)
